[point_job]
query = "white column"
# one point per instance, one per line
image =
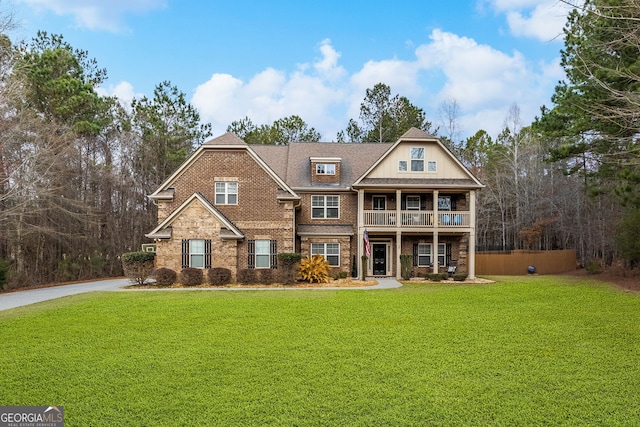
(398, 252)
(471, 255)
(436, 225)
(398, 233)
(360, 232)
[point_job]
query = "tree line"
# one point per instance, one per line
(75, 167)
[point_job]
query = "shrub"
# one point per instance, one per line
(247, 276)
(137, 266)
(219, 276)
(406, 266)
(314, 269)
(460, 277)
(437, 277)
(341, 275)
(165, 276)
(593, 267)
(4, 273)
(288, 263)
(266, 276)
(191, 276)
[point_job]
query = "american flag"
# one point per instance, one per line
(367, 247)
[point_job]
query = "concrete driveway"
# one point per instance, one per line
(30, 296)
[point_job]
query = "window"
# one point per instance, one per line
(330, 252)
(424, 254)
(442, 254)
(444, 203)
(196, 253)
(413, 203)
(226, 193)
(402, 165)
(262, 254)
(417, 159)
(431, 166)
(379, 203)
(325, 206)
(325, 169)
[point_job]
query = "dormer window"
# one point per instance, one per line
(325, 169)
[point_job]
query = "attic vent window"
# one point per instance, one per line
(325, 169)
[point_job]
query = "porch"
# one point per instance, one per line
(416, 219)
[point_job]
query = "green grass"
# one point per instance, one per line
(524, 351)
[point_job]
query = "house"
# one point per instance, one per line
(237, 206)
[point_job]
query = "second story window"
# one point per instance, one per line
(325, 169)
(226, 193)
(417, 159)
(325, 206)
(413, 203)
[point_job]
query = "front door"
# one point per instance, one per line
(379, 259)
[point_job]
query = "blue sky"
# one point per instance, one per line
(268, 60)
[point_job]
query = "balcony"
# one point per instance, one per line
(416, 219)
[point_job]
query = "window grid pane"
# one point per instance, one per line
(330, 252)
(424, 254)
(196, 253)
(325, 206)
(262, 248)
(413, 203)
(226, 193)
(417, 153)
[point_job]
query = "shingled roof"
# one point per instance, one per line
(291, 162)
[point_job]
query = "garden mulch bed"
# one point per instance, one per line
(341, 283)
(623, 278)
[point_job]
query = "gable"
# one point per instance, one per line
(196, 212)
(436, 162)
(198, 165)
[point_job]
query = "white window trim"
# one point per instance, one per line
(324, 252)
(325, 169)
(226, 192)
(193, 253)
(442, 207)
(325, 207)
(428, 254)
(260, 255)
(421, 159)
(407, 202)
(442, 246)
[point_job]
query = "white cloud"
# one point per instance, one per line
(484, 82)
(97, 14)
(310, 92)
(539, 19)
(123, 91)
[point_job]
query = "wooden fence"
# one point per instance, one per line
(516, 262)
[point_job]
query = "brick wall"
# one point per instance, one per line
(348, 208)
(258, 214)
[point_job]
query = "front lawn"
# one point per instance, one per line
(535, 350)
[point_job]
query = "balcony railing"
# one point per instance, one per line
(416, 219)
